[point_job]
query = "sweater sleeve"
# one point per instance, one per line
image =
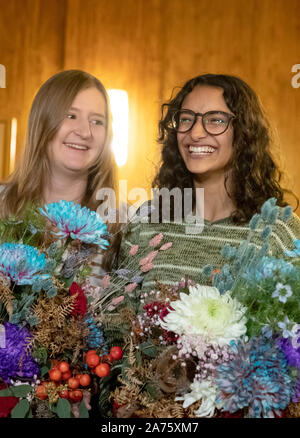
(284, 234)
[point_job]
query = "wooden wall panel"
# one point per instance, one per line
(118, 42)
(31, 48)
(148, 47)
(257, 40)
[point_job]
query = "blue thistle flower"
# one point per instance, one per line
(296, 250)
(21, 263)
(266, 232)
(286, 213)
(77, 222)
(254, 221)
(273, 215)
(266, 210)
(257, 378)
(207, 270)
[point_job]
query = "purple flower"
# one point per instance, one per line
(15, 361)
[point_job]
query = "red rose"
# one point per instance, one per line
(6, 403)
(80, 307)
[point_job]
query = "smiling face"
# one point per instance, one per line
(205, 155)
(81, 136)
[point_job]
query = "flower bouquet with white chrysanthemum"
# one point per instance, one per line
(46, 324)
(228, 349)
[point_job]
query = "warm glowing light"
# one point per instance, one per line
(119, 108)
(13, 144)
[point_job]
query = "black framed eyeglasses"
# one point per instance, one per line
(213, 122)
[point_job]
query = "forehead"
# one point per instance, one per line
(90, 99)
(205, 98)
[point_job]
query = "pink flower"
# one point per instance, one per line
(133, 249)
(105, 282)
(117, 300)
(166, 246)
(149, 258)
(130, 287)
(156, 240)
(147, 267)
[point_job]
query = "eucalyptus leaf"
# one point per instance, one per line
(21, 409)
(21, 390)
(148, 348)
(83, 412)
(63, 409)
(52, 292)
(7, 392)
(44, 370)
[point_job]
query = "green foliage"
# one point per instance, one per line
(21, 409)
(106, 386)
(262, 309)
(114, 334)
(63, 408)
(148, 348)
(16, 391)
(29, 229)
(83, 412)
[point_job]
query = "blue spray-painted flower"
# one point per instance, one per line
(14, 360)
(296, 250)
(21, 263)
(258, 378)
(282, 292)
(77, 222)
(95, 338)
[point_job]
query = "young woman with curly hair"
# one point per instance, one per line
(67, 154)
(214, 136)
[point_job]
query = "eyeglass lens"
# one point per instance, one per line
(213, 122)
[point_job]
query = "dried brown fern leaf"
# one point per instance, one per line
(190, 411)
(29, 343)
(57, 330)
(131, 355)
(6, 296)
(164, 408)
(293, 410)
(131, 376)
(166, 292)
(57, 308)
(125, 394)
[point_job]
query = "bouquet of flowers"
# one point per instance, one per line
(228, 349)
(52, 350)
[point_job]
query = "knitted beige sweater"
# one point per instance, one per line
(191, 252)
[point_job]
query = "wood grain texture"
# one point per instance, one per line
(148, 47)
(31, 48)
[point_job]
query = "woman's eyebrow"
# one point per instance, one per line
(93, 114)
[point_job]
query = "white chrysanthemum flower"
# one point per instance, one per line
(204, 311)
(205, 391)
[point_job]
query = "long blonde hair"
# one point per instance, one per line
(50, 105)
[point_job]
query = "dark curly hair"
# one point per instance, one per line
(255, 175)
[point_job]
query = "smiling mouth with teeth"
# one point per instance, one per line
(76, 146)
(201, 150)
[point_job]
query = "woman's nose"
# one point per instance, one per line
(83, 128)
(197, 130)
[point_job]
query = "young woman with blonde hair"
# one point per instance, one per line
(67, 152)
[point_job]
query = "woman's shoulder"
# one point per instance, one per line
(285, 233)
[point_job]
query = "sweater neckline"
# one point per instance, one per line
(219, 221)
